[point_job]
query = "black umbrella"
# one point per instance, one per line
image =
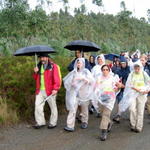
(83, 45)
(34, 50)
(111, 56)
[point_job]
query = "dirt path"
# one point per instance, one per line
(24, 137)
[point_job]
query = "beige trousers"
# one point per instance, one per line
(39, 109)
(105, 117)
(137, 112)
(148, 104)
(84, 114)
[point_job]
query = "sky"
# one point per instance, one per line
(138, 7)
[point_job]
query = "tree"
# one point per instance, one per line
(97, 2)
(148, 14)
(123, 5)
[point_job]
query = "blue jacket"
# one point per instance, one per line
(71, 65)
(123, 73)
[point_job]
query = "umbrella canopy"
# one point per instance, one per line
(83, 45)
(32, 50)
(111, 56)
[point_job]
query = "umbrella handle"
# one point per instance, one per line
(36, 59)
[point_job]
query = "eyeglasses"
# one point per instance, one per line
(105, 69)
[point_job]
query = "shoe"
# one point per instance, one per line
(38, 126)
(133, 130)
(137, 130)
(84, 125)
(68, 129)
(110, 126)
(103, 136)
(50, 126)
(117, 119)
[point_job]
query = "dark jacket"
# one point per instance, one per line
(71, 65)
(123, 74)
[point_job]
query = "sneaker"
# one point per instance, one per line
(50, 126)
(68, 129)
(36, 126)
(110, 126)
(117, 118)
(103, 136)
(84, 125)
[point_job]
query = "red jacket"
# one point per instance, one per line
(52, 77)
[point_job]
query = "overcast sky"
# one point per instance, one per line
(138, 7)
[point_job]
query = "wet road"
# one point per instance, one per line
(24, 137)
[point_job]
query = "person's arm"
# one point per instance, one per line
(71, 65)
(56, 79)
(35, 74)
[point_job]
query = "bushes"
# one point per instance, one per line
(8, 115)
(18, 86)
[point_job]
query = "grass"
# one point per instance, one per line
(8, 115)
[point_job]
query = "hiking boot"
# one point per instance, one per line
(110, 126)
(68, 129)
(103, 136)
(117, 118)
(84, 125)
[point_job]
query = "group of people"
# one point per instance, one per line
(95, 84)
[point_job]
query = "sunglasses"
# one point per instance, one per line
(105, 69)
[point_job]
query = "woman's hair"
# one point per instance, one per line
(105, 66)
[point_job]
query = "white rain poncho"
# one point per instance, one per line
(96, 71)
(137, 52)
(141, 82)
(104, 90)
(78, 85)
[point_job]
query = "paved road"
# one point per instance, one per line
(24, 137)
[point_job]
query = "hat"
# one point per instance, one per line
(123, 59)
(43, 55)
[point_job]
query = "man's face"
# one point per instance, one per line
(143, 61)
(124, 65)
(78, 54)
(44, 60)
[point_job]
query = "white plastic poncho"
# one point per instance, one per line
(104, 90)
(78, 84)
(96, 71)
(137, 52)
(141, 82)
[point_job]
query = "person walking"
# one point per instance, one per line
(106, 86)
(135, 96)
(48, 81)
(78, 85)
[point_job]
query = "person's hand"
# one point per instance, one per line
(144, 92)
(36, 69)
(137, 90)
(119, 85)
(54, 92)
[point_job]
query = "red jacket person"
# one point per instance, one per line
(48, 81)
